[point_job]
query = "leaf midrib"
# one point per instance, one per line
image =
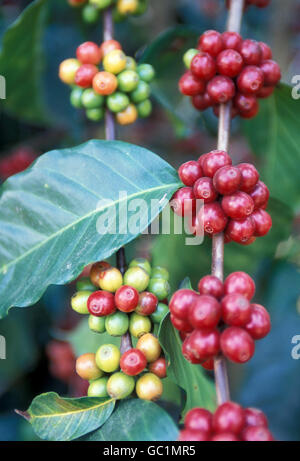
(55, 415)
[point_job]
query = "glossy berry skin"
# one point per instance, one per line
(266, 51)
(147, 303)
(202, 101)
(95, 271)
(251, 52)
(211, 218)
(114, 61)
(188, 353)
(232, 40)
(257, 434)
(227, 180)
(199, 419)
(203, 66)
(205, 313)
(101, 303)
(149, 387)
(255, 417)
(79, 301)
(245, 103)
(213, 161)
(265, 92)
(108, 358)
(183, 202)
(110, 279)
(250, 80)
(205, 190)
(229, 417)
(87, 368)
(128, 80)
(237, 345)
(105, 83)
(188, 435)
(120, 385)
(224, 437)
(117, 102)
(141, 93)
(85, 75)
(260, 195)
(238, 205)
(88, 53)
(204, 344)
(189, 85)
(240, 231)
(159, 272)
(159, 367)
(229, 63)
(108, 46)
(221, 89)
(262, 221)
(211, 285)
(189, 172)
(259, 325)
(159, 287)
(180, 324)
(139, 325)
(126, 298)
(133, 362)
(239, 282)
(91, 100)
(211, 42)
(150, 347)
(236, 310)
(250, 176)
(127, 116)
(271, 72)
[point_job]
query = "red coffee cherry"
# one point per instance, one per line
(251, 52)
(266, 51)
(257, 434)
(204, 344)
(202, 101)
(183, 201)
(181, 325)
(265, 92)
(236, 310)
(199, 419)
(211, 42)
(238, 205)
(203, 66)
(211, 218)
(147, 303)
(259, 325)
(246, 104)
(262, 221)
(260, 195)
(221, 89)
(190, 85)
(255, 417)
(181, 301)
(88, 53)
(271, 72)
(126, 298)
(237, 345)
(101, 303)
(250, 176)
(208, 364)
(232, 40)
(189, 172)
(213, 161)
(229, 63)
(224, 437)
(240, 231)
(227, 180)
(133, 362)
(211, 285)
(228, 418)
(240, 282)
(188, 435)
(85, 75)
(251, 112)
(188, 353)
(250, 80)
(204, 190)
(205, 313)
(159, 367)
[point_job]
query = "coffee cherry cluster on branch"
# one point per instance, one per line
(229, 423)
(219, 318)
(105, 78)
(224, 68)
(234, 199)
(92, 9)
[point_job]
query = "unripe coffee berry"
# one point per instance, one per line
(98, 388)
(97, 324)
(161, 311)
(120, 386)
(159, 287)
(139, 325)
(86, 367)
(117, 324)
(137, 278)
(110, 279)
(159, 272)
(79, 302)
(108, 358)
(95, 271)
(67, 71)
(146, 72)
(149, 387)
(150, 347)
(127, 116)
(141, 262)
(114, 61)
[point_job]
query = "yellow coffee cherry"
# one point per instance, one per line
(149, 345)
(127, 116)
(149, 387)
(127, 6)
(87, 368)
(67, 70)
(114, 62)
(110, 279)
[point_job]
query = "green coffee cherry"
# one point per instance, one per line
(161, 310)
(188, 57)
(128, 80)
(91, 100)
(90, 14)
(85, 284)
(76, 98)
(146, 72)
(120, 386)
(130, 63)
(95, 115)
(101, 4)
(141, 93)
(159, 287)
(139, 325)
(98, 388)
(117, 102)
(159, 272)
(137, 278)
(117, 324)
(97, 324)
(141, 262)
(144, 108)
(108, 358)
(79, 301)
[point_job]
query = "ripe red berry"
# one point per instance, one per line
(88, 53)
(188, 353)
(240, 231)
(265, 92)
(189, 172)
(238, 205)
(271, 72)
(229, 418)
(232, 40)
(203, 157)
(203, 66)
(250, 176)
(180, 324)
(211, 218)
(85, 75)
(252, 112)
(227, 180)
(245, 103)
(239, 282)
(199, 419)
(204, 190)
(181, 301)
(262, 221)
(211, 42)
(224, 437)
(159, 367)
(260, 195)
(205, 313)
(202, 101)
(188, 435)
(211, 285)
(147, 303)
(133, 362)
(183, 202)
(213, 161)
(259, 324)
(229, 63)
(236, 310)
(204, 344)
(208, 364)
(257, 434)
(255, 417)
(189, 85)
(251, 52)
(237, 345)
(266, 51)
(101, 303)
(126, 298)
(221, 89)
(250, 80)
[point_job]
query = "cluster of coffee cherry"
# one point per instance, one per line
(224, 68)
(123, 305)
(234, 198)
(92, 9)
(220, 318)
(103, 77)
(258, 3)
(229, 423)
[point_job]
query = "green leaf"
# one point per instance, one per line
(274, 136)
(62, 419)
(50, 213)
(136, 420)
(199, 389)
(21, 63)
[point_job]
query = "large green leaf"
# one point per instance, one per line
(199, 389)
(275, 136)
(136, 420)
(49, 213)
(21, 63)
(62, 419)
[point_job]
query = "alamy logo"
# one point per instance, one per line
(2, 348)
(2, 87)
